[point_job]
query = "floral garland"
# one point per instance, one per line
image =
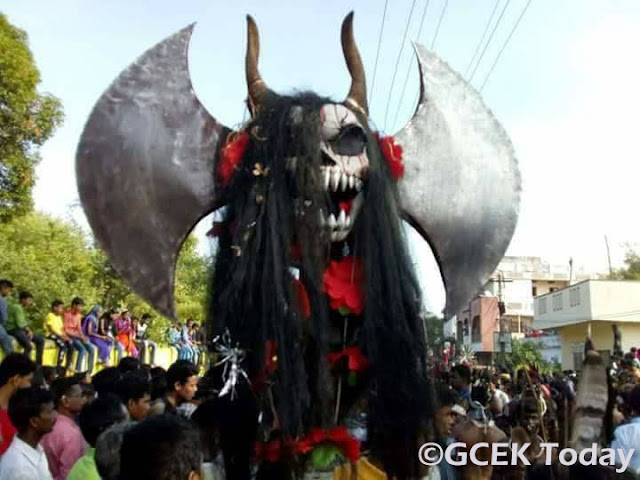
(231, 155)
(343, 285)
(392, 153)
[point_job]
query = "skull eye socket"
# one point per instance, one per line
(351, 141)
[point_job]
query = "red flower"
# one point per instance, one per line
(356, 361)
(392, 153)
(231, 155)
(343, 284)
(303, 299)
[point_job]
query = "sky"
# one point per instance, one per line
(565, 88)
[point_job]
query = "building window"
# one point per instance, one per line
(534, 291)
(476, 333)
(552, 289)
(557, 302)
(542, 306)
(574, 297)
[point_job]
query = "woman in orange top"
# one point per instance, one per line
(125, 329)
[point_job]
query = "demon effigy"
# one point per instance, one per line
(314, 303)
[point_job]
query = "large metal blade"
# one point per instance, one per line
(145, 168)
(461, 187)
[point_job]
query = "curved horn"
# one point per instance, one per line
(357, 96)
(461, 188)
(145, 168)
(258, 90)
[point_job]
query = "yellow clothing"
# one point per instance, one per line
(53, 324)
(364, 470)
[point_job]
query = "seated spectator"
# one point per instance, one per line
(106, 380)
(108, 451)
(49, 374)
(18, 327)
(124, 327)
(16, 373)
(143, 342)
(174, 338)
(97, 336)
(627, 437)
(31, 411)
(108, 324)
(95, 419)
(164, 447)
(54, 331)
(134, 390)
(128, 364)
(187, 342)
(73, 328)
(6, 288)
(65, 444)
(182, 385)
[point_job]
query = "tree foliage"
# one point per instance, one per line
(27, 120)
(53, 259)
(631, 270)
(526, 354)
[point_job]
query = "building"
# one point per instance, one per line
(515, 283)
(591, 309)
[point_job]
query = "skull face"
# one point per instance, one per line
(344, 170)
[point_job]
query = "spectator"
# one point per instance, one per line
(461, 383)
(124, 327)
(6, 287)
(54, 331)
(95, 419)
(128, 364)
(65, 445)
(187, 342)
(73, 328)
(31, 411)
(49, 374)
(143, 342)
(174, 339)
(106, 381)
(108, 324)
(108, 451)
(200, 340)
(135, 392)
(18, 327)
(16, 373)
(444, 420)
(182, 385)
(627, 437)
(164, 447)
(158, 390)
(91, 328)
(499, 399)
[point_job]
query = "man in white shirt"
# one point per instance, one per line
(627, 437)
(32, 412)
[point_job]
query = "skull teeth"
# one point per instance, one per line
(339, 226)
(336, 180)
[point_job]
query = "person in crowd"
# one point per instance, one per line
(158, 390)
(187, 341)
(499, 399)
(174, 338)
(108, 325)
(73, 328)
(32, 412)
(182, 385)
(627, 437)
(108, 450)
(65, 444)
(128, 364)
(49, 374)
(164, 447)
(134, 390)
(6, 288)
(91, 328)
(461, 383)
(16, 373)
(106, 381)
(124, 327)
(199, 337)
(142, 340)
(54, 330)
(18, 327)
(95, 419)
(444, 421)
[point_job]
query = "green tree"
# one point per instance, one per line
(526, 354)
(631, 270)
(27, 120)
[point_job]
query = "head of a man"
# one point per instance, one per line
(163, 447)
(16, 372)
(445, 418)
(460, 377)
(129, 364)
(31, 410)
(182, 381)
(6, 288)
(57, 307)
(68, 396)
(134, 390)
(99, 415)
(26, 299)
(146, 318)
(77, 305)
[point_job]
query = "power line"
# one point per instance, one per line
(484, 34)
(395, 71)
(435, 36)
(375, 67)
(505, 44)
(495, 27)
(406, 77)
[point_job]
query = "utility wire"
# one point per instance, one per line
(375, 67)
(484, 50)
(505, 45)
(395, 71)
(406, 77)
(484, 34)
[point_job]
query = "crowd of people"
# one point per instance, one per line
(92, 337)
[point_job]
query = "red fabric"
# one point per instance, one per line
(343, 284)
(303, 299)
(339, 436)
(346, 206)
(231, 156)
(392, 153)
(356, 361)
(7, 431)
